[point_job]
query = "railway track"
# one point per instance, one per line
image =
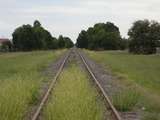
(37, 113)
(45, 98)
(113, 109)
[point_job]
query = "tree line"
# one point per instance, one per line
(144, 37)
(27, 38)
(103, 36)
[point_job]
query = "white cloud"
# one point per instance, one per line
(66, 10)
(68, 17)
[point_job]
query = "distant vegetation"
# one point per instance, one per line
(64, 42)
(144, 37)
(103, 36)
(5, 45)
(27, 37)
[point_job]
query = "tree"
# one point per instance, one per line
(27, 38)
(124, 43)
(68, 42)
(82, 41)
(158, 43)
(39, 37)
(144, 35)
(23, 38)
(61, 42)
(36, 23)
(43, 37)
(54, 44)
(65, 42)
(101, 36)
(6, 46)
(50, 42)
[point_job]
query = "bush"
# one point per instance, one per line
(65, 42)
(103, 36)
(144, 36)
(126, 100)
(26, 38)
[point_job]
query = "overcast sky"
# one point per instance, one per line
(69, 17)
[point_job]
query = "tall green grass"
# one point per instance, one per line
(74, 98)
(20, 80)
(142, 71)
(126, 100)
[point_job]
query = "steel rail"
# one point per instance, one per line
(44, 99)
(115, 112)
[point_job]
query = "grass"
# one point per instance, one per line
(125, 100)
(74, 98)
(142, 71)
(20, 80)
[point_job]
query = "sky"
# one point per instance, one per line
(69, 17)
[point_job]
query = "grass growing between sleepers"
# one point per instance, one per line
(20, 79)
(74, 98)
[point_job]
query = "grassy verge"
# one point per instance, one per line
(20, 79)
(74, 98)
(140, 72)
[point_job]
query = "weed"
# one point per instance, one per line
(126, 100)
(139, 70)
(20, 80)
(73, 98)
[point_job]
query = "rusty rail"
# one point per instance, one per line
(44, 99)
(113, 109)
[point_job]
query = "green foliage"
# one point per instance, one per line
(82, 41)
(68, 42)
(26, 38)
(124, 43)
(101, 36)
(20, 80)
(158, 43)
(23, 38)
(6, 46)
(61, 42)
(142, 69)
(43, 37)
(36, 23)
(144, 35)
(126, 100)
(64, 42)
(151, 116)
